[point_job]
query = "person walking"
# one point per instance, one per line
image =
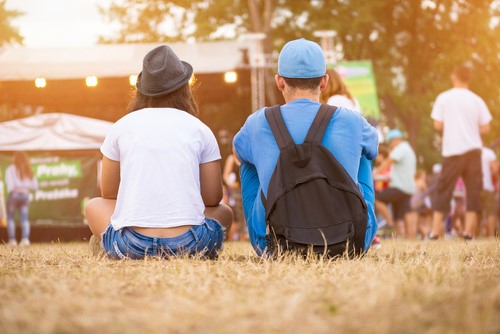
(348, 136)
(20, 181)
(403, 166)
(231, 178)
(161, 180)
(463, 117)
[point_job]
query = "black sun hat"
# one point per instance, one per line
(162, 72)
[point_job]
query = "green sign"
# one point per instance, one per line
(360, 80)
(65, 181)
(58, 170)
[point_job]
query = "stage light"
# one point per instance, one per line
(230, 77)
(192, 80)
(132, 79)
(40, 82)
(91, 81)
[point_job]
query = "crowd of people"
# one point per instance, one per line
(165, 193)
(460, 198)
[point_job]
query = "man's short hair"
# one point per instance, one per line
(463, 73)
(303, 84)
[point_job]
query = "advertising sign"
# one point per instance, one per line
(66, 180)
(360, 80)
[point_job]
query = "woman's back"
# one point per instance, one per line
(160, 151)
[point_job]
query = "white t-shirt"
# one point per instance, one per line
(487, 156)
(342, 101)
(403, 169)
(159, 150)
(461, 112)
(15, 183)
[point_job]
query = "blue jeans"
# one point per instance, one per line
(20, 202)
(204, 240)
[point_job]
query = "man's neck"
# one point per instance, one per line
(460, 85)
(297, 94)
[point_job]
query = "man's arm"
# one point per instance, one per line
(384, 165)
(494, 166)
(484, 129)
(365, 180)
(438, 125)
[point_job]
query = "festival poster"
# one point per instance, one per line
(65, 182)
(360, 80)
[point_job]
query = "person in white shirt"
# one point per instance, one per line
(403, 166)
(489, 165)
(20, 181)
(337, 94)
(462, 116)
(161, 181)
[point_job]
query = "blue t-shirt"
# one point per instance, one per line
(348, 136)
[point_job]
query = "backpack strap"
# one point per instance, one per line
(281, 135)
(320, 123)
(278, 127)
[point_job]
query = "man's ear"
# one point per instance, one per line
(280, 82)
(324, 82)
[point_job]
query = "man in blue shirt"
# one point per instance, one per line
(301, 77)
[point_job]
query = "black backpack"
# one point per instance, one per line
(312, 202)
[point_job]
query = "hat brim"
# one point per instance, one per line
(188, 72)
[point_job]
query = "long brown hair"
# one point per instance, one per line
(181, 99)
(336, 86)
(22, 164)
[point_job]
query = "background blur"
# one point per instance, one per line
(412, 44)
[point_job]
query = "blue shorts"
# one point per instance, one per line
(203, 240)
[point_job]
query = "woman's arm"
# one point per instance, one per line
(211, 183)
(110, 178)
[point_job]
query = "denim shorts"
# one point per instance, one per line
(203, 240)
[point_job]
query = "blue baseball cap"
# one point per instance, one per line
(301, 59)
(393, 134)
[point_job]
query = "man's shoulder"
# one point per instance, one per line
(446, 94)
(255, 119)
(454, 93)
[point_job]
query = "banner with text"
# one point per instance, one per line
(66, 180)
(360, 80)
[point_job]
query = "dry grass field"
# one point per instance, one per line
(404, 287)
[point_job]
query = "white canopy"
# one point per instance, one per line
(113, 60)
(55, 131)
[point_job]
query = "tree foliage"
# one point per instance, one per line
(413, 44)
(8, 33)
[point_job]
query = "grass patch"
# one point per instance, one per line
(404, 287)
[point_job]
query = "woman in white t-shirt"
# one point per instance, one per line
(161, 181)
(20, 180)
(337, 94)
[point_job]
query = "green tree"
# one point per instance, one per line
(413, 44)
(8, 33)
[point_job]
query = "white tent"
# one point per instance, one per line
(64, 153)
(53, 132)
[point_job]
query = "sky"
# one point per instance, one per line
(60, 23)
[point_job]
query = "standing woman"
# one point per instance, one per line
(337, 94)
(161, 181)
(20, 180)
